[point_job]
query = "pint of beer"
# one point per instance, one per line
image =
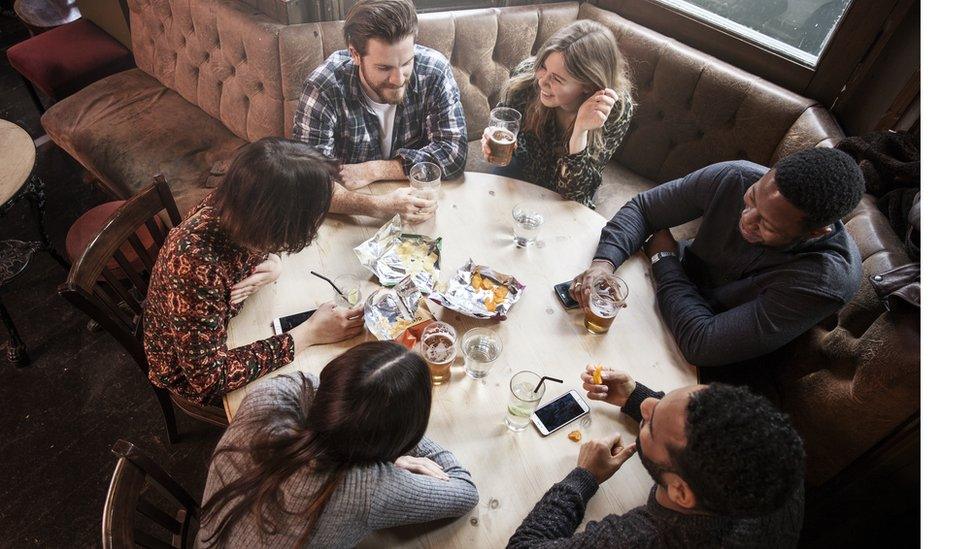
(438, 349)
(607, 296)
(501, 143)
(502, 131)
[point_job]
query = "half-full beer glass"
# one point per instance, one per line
(607, 296)
(503, 128)
(438, 349)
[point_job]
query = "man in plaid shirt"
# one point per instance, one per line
(380, 107)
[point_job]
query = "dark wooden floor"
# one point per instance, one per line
(60, 416)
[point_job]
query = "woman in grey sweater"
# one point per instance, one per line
(324, 464)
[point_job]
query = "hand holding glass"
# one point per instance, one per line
(503, 128)
(425, 180)
(608, 294)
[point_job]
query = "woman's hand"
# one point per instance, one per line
(593, 113)
(421, 466)
(265, 273)
(485, 149)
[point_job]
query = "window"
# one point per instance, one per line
(798, 29)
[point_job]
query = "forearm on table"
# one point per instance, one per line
(224, 370)
(346, 202)
(401, 497)
(560, 511)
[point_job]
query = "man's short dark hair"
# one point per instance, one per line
(388, 20)
(824, 183)
(742, 457)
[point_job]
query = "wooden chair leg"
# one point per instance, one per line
(16, 350)
(169, 415)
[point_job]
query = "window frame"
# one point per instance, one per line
(865, 23)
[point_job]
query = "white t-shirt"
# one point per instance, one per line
(386, 113)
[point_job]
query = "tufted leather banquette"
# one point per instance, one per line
(215, 74)
(227, 74)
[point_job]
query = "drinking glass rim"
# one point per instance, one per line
(507, 110)
(424, 166)
(438, 323)
(616, 278)
(511, 385)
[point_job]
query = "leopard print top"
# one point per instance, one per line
(545, 160)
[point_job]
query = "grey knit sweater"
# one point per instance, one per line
(370, 498)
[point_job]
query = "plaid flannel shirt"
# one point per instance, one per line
(333, 115)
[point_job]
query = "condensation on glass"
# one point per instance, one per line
(799, 29)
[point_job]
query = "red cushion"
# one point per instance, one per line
(84, 229)
(65, 59)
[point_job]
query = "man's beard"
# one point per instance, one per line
(655, 470)
(390, 95)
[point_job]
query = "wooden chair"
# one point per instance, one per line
(132, 517)
(111, 288)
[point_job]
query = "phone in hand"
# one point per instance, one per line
(286, 323)
(560, 412)
(562, 292)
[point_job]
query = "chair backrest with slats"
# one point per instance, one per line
(114, 296)
(133, 515)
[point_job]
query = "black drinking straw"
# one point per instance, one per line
(543, 380)
(325, 278)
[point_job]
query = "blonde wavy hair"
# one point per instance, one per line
(592, 57)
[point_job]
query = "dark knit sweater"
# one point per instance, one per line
(728, 300)
(557, 515)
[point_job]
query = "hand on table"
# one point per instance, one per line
(580, 288)
(616, 386)
(329, 324)
(265, 273)
(356, 176)
(412, 208)
(603, 456)
(421, 466)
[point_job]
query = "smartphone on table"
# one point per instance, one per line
(286, 323)
(560, 412)
(562, 292)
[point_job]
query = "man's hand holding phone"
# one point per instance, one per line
(603, 457)
(614, 388)
(328, 324)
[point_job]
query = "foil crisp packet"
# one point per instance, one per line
(391, 311)
(480, 292)
(392, 255)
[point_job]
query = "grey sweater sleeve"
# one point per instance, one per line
(752, 329)
(665, 206)
(401, 497)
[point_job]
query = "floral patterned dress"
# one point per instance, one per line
(187, 310)
(545, 160)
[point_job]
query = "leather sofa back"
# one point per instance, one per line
(246, 70)
(222, 56)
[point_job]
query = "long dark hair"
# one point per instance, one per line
(275, 195)
(372, 406)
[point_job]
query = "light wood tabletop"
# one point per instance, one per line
(511, 470)
(17, 154)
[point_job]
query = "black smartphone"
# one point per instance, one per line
(560, 412)
(562, 292)
(286, 323)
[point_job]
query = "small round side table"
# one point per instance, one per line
(17, 183)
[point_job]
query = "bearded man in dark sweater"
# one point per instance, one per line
(771, 258)
(727, 467)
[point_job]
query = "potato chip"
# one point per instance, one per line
(598, 375)
(575, 436)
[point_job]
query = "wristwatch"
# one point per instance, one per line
(661, 255)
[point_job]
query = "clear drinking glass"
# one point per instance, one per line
(608, 294)
(481, 348)
(502, 130)
(425, 180)
(351, 291)
(438, 349)
(528, 220)
(523, 400)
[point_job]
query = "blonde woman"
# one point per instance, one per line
(576, 106)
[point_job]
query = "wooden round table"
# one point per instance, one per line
(512, 470)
